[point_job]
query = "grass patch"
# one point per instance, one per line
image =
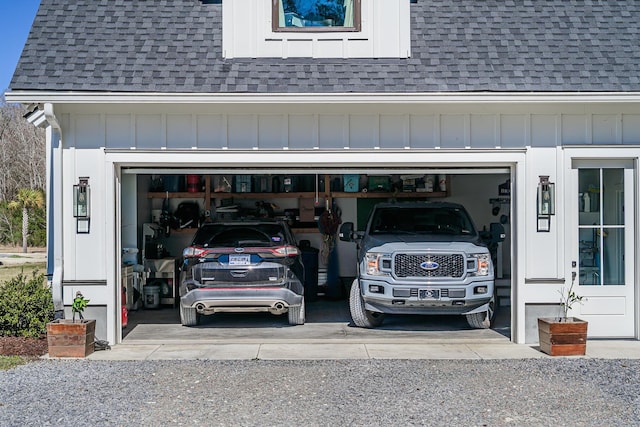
(9, 271)
(8, 362)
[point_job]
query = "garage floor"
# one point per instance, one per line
(327, 321)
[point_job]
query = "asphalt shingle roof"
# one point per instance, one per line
(175, 46)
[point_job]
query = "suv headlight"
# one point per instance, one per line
(483, 263)
(376, 263)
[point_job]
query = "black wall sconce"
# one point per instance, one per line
(545, 203)
(82, 204)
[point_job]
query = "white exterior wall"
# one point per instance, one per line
(247, 33)
(98, 139)
(352, 126)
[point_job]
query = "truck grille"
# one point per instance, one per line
(408, 265)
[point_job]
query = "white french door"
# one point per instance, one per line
(603, 241)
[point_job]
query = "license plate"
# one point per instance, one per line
(429, 293)
(239, 259)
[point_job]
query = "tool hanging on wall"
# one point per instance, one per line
(165, 216)
(328, 224)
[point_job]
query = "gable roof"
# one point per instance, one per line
(175, 46)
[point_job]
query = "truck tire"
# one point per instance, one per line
(188, 316)
(296, 314)
(361, 317)
(483, 319)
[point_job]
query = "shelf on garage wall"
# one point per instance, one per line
(298, 195)
(174, 195)
(385, 195)
(326, 194)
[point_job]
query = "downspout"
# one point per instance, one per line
(54, 209)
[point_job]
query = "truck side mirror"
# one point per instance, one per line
(496, 231)
(346, 232)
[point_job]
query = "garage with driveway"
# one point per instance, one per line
(161, 118)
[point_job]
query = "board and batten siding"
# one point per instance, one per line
(325, 130)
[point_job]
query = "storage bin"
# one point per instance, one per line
(351, 183)
(243, 183)
(151, 296)
(379, 183)
(173, 183)
(289, 184)
(193, 183)
(261, 184)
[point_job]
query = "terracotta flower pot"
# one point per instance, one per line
(562, 336)
(68, 338)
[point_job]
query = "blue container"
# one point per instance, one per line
(351, 183)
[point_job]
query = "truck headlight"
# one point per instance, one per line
(374, 264)
(483, 262)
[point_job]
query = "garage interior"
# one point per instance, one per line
(171, 203)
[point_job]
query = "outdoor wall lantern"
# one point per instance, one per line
(546, 203)
(82, 204)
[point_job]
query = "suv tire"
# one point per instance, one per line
(188, 316)
(361, 317)
(296, 314)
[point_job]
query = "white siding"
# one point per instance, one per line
(356, 127)
(247, 33)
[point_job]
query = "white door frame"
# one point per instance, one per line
(605, 299)
(115, 160)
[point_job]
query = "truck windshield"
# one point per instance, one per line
(422, 220)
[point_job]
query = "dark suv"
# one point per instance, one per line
(242, 266)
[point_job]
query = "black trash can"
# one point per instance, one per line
(310, 262)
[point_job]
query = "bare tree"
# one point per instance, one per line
(22, 165)
(22, 152)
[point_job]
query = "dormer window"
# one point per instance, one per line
(316, 15)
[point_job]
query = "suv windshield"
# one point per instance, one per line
(423, 220)
(238, 235)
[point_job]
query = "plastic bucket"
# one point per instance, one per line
(193, 183)
(151, 296)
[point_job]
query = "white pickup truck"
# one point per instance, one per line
(422, 258)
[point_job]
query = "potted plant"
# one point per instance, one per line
(564, 335)
(71, 338)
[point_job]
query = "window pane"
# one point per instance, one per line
(613, 196)
(589, 196)
(613, 256)
(589, 257)
(316, 13)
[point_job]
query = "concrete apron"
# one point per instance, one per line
(327, 334)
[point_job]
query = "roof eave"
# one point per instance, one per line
(56, 97)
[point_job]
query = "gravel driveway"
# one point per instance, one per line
(532, 392)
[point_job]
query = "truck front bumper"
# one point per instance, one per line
(411, 298)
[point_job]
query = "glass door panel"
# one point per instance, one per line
(601, 231)
(613, 256)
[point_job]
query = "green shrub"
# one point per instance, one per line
(26, 306)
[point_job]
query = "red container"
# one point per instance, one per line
(193, 183)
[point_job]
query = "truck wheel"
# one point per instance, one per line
(483, 319)
(361, 317)
(188, 316)
(296, 314)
